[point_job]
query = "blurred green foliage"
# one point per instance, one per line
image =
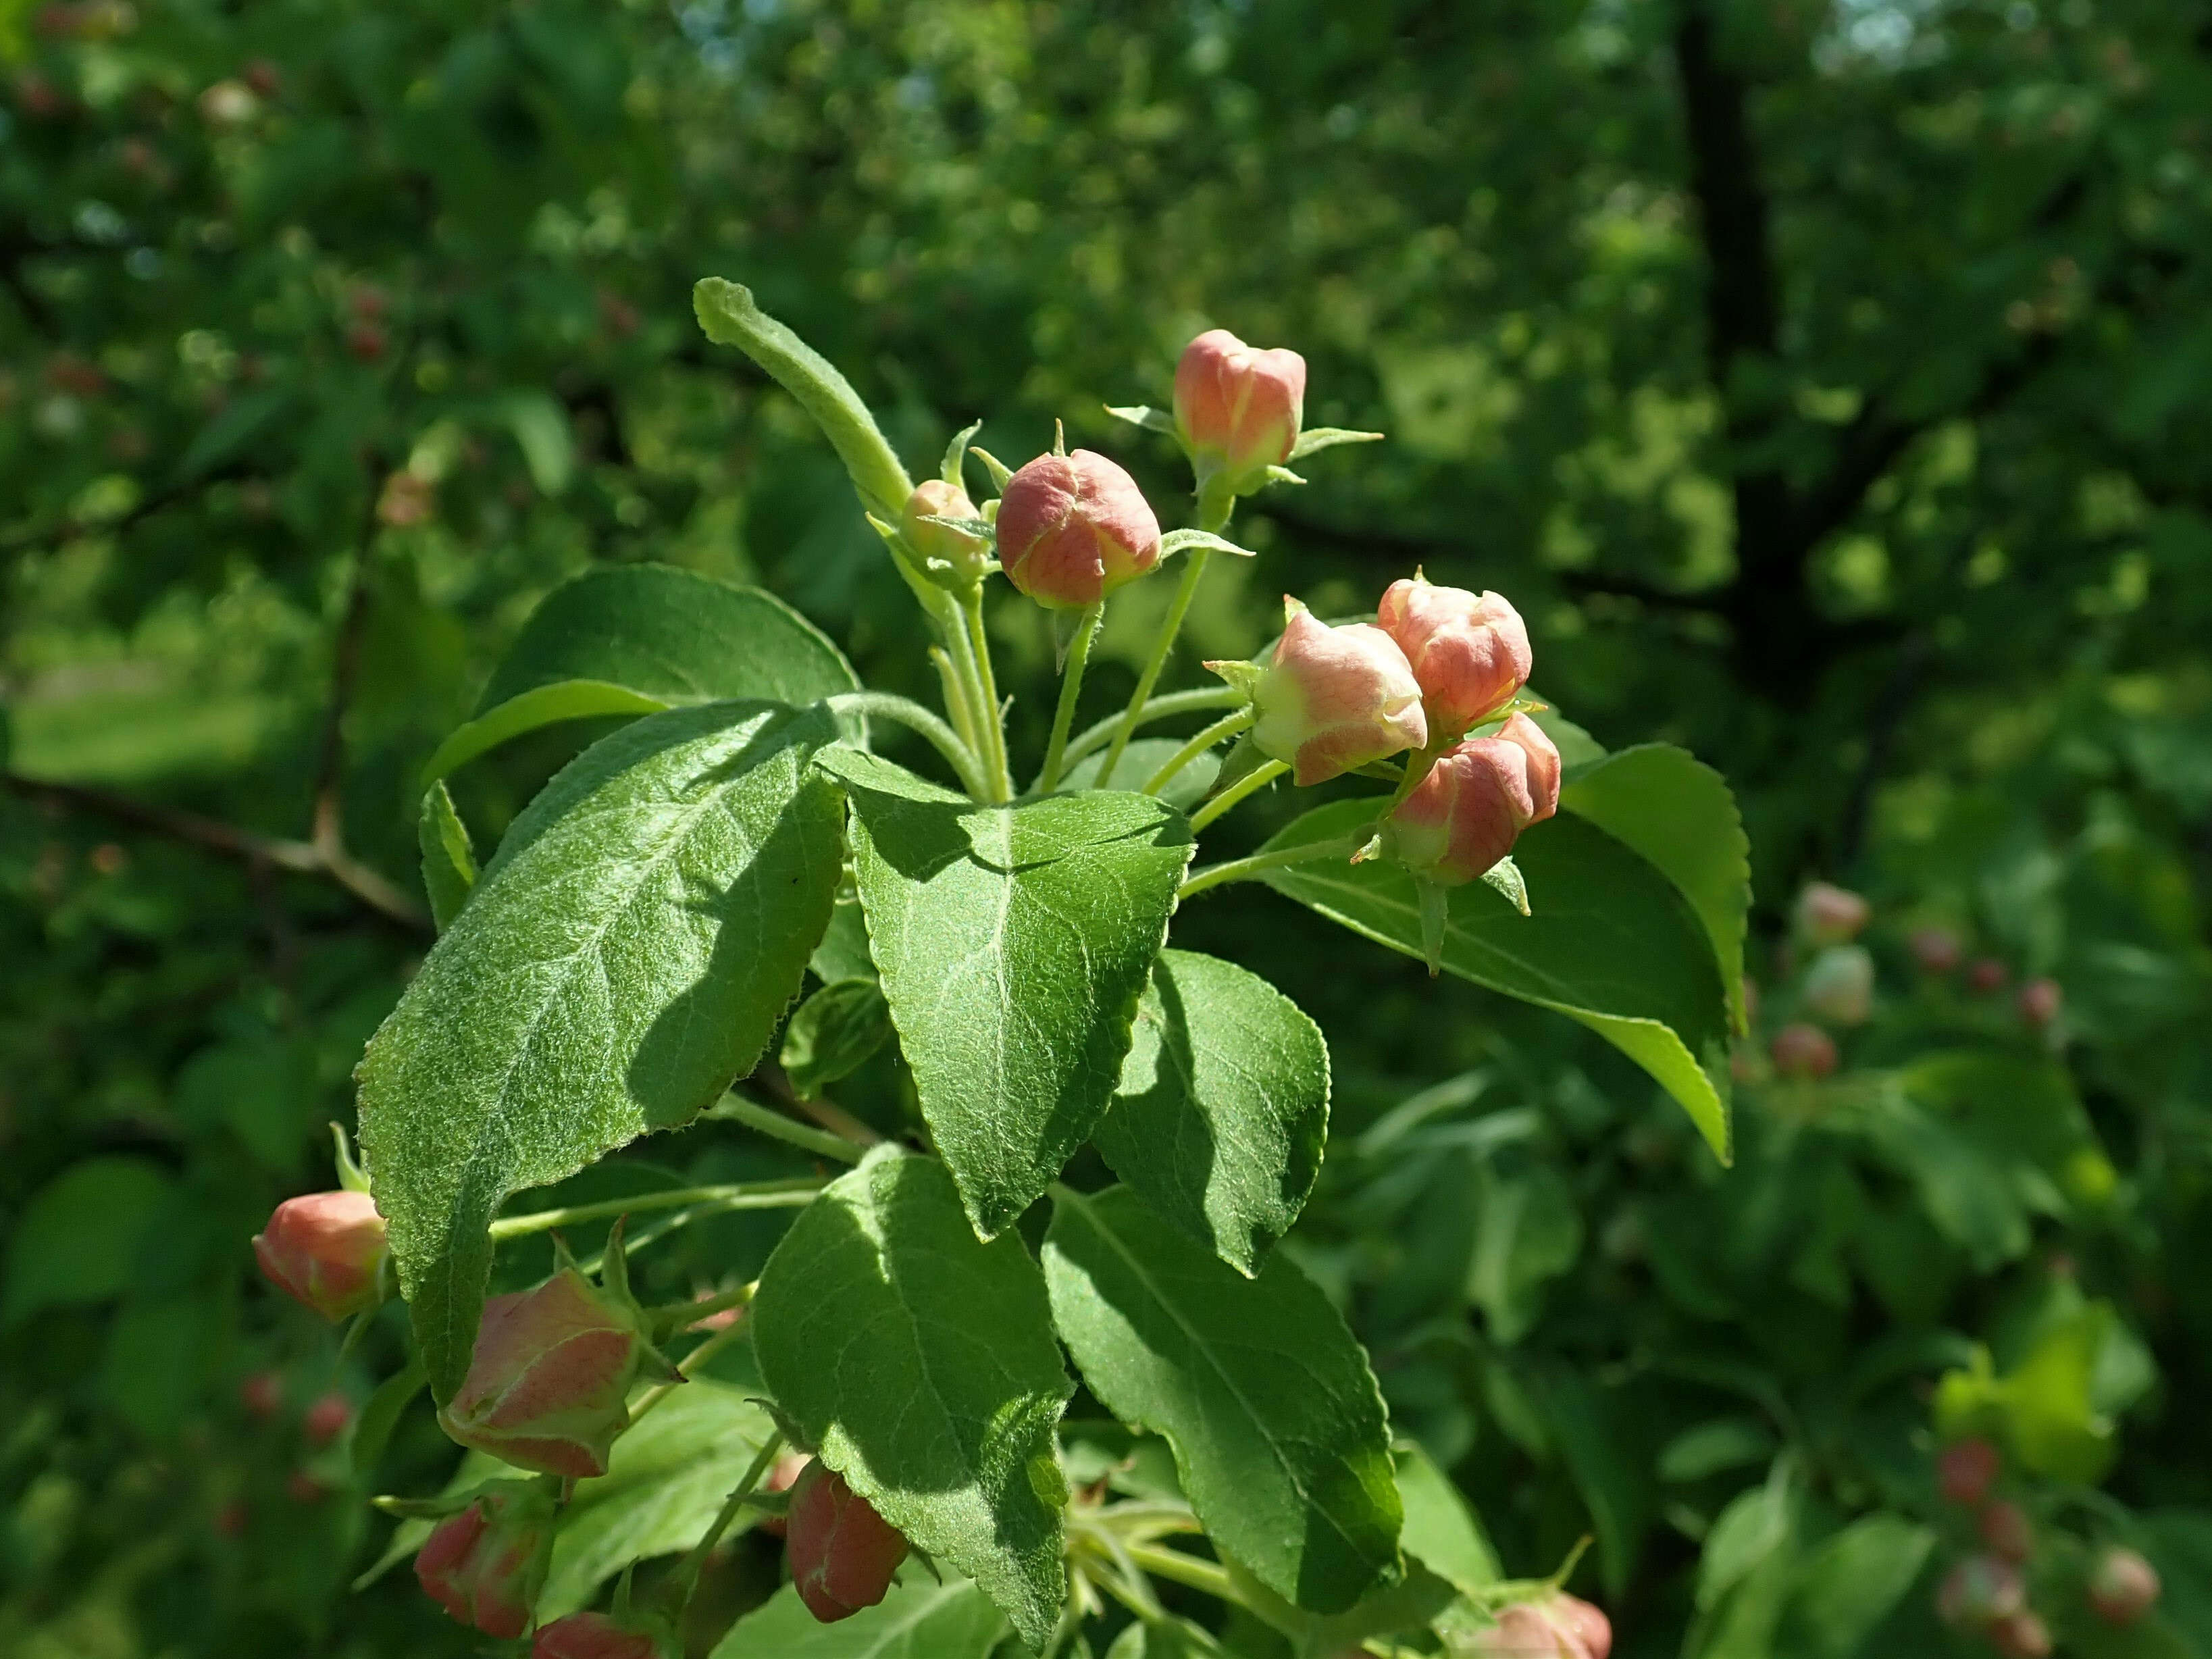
(1826, 382)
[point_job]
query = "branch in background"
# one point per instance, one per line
(1886, 722)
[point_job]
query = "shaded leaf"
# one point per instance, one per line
(921, 1618)
(449, 862)
(834, 1033)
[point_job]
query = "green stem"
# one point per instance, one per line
(687, 1575)
(953, 687)
(1194, 568)
(1159, 709)
(744, 1195)
(1213, 875)
(1070, 686)
(1258, 779)
(754, 1116)
(906, 712)
(991, 722)
(682, 1315)
(688, 1366)
(1188, 1570)
(1227, 727)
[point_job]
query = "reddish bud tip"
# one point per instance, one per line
(1560, 1627)
(325, 1249)
(1469, 651)
(1840, 985)
(1335, 698)
(2040, 1002)
(485, 1565)
(842, 1554)
(1468, 812)
(1937, 950)
(1072, 528)
(547, 1382)
(1966, 1470)
(1238, 409)
(591, 1636)
(1829, 914)
(2123, 1586)
(262, 1394)
(1802, 1051)
(365, 341)
(2005, 1529)
(1986, 975)
(326, 1420)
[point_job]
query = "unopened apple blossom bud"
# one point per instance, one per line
(1802, 1051)
(782, 1476)
(1072, 528)
(1237, 410)
(326, 1420)
(546, 1385)
(1560, 1627)
(486, 1565)
(1469, 651)
(842, 1554)
(325, 1249)
(1335, 698)
(1987, 974)
(2021, 1635)
(2123, 1586)
(2005, 1529)
(1840, 985)
(1978, 1590)
(1935, 949)
(591, 1636)
(964, 550)
(2040, 1002)
(1473, 806)
(1966, 1470)
(262, 1394)
(1829, 914)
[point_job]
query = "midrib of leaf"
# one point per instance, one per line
(1258, 1422)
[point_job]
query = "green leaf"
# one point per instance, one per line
(1143, 415)
(1527, 1231)
(1222, 1114)
(1143, 757)
(2044, 1409)
(449, 862)
(843, 952)
(628, 953)
(1314, 439)
(372, 1430)
(1014, 943)
(1613, 944)
(834, 1033)
(1164, 1638)
(1612, 1477)
(921, 1618)
(1681, 815)
(542, 705)
(1278, 1427)
(78, 1239)
(920, 1361)
(540, 426)
(729, 316)
(666, 1479)
(1441, 1532)
(1849, 1583)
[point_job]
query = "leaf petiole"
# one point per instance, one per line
(1227, 727)
(687, 1575)
(794, 1194)
(1245, 869)
(905, 711)
(769, 1121)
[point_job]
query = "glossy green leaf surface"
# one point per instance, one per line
(920, 1359)
(1612, 943)
(1223, 1110)
(921, 1618)
(1014, 943)
(1278, 1427)
(627, 954)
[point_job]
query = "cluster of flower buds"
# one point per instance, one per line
(328, 1250)
(593, 1636)
(486, 1565)
(2123, 1586)
(842, 1554)
(1559, 1626)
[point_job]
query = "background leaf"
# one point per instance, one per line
(1014, 943)
(627, 954)
(449, 862)
(920, 1361)
(921, 1618)
(1223, 1110)
(1278, 1428)
(834, 1033)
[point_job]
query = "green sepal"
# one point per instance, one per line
(1505, 877)
(956, 453)
(1178, 541)
(1435, 900)
(998, 470)
(1152, 420)
(1328, 437)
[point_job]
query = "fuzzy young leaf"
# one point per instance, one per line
(627, 954)
(1277, 1425)
(921, 1618)
(920, 1361)
(1222, 1112)
(1014, 942)
(1612, 943)
(834, 1033)
(449, 862)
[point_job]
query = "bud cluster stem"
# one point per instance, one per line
(1071, 687)
(792, 1194)
(1159, 709)
(971, 769)
(990, 734)
(1214, 506)
(1258, 779)
(687, 1575)
(1227, 727)
(1245, 869)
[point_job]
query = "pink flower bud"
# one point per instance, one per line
(1840, 985)
(1335, 698)
(547, 1383)
(963, 549)
(2020, 1636)
(2123, 1586)
(1238, 409)
(262, 1394)
(1476, 800)
(1979, 1589)
(324, 1248)
(1560, 1627)
(2040, 1002)
(1966, 1470)
(842, 1554)
(1935, 949)
(2005, 1529)
(1986, 975)
(1072, 528)
(1802, 1051)
(326, 1419)
(1830, 915)
(591, 1636)
(1469, 651)
(485, 1565)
